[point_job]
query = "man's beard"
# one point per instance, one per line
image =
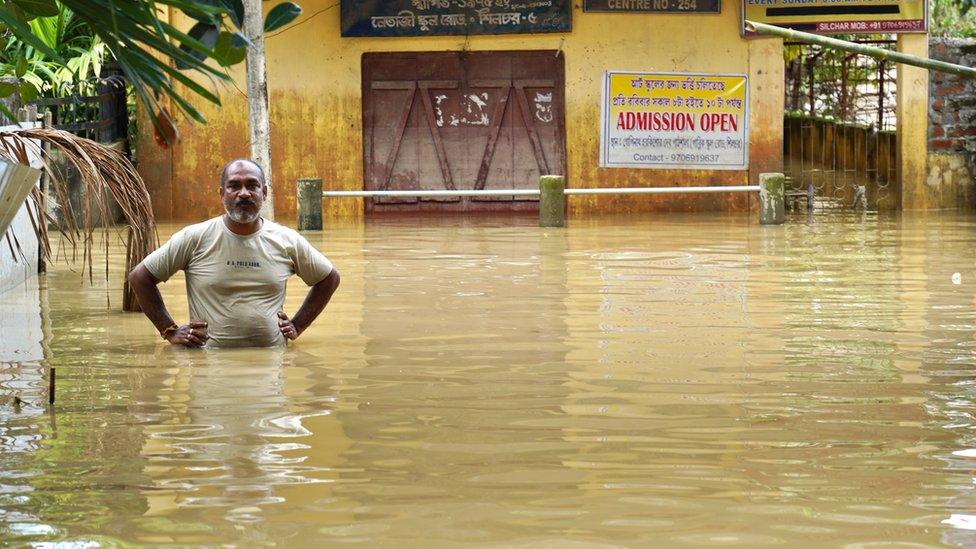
(241, 216)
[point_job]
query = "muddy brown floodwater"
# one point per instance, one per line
(669, 381)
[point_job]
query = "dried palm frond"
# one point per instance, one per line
(101, 169)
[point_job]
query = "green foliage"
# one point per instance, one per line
(227, 53)
(964, 5)
(42, 8)
(228, 44)
(64, 43)
(954, 18)
(32, 70)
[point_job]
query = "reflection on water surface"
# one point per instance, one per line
(682, 380)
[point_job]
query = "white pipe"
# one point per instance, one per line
(535, 192)
(461, 192)
(666, 190)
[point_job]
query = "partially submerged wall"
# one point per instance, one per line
(837, 158)
(315, 81)
(951, 182)
(17, 265)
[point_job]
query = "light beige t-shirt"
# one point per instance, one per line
(237, 283)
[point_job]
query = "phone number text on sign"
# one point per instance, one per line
(674, 121)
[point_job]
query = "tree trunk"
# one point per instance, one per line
(257, 98)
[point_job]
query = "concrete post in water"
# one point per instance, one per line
(772, 208)
(309, 204)
(552, 201)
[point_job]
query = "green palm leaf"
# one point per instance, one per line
(23, 31)
(132, 32)
(46, 30)
(38, 8)
(52, 32)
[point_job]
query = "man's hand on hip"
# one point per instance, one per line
(192, 334)
(286, 326)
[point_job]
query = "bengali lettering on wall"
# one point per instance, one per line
(839, 16)
(674, 121)
(453, 17)
(654, 6)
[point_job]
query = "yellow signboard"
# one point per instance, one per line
(839, 16)
(675, 121)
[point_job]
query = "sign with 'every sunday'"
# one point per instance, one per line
(674, 121)
(839, 16)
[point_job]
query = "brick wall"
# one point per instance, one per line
(952, 127)
(952, 109)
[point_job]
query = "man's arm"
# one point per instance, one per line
(316, 300)
(150, 300)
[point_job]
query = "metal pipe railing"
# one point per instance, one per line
(667, 190)
(430, 193)
(537, 192)
(552, 194)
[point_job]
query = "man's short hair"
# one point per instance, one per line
(223, 172)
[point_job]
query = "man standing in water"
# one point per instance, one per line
(236, 269)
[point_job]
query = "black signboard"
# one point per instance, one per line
(654, 6)
(453, 17)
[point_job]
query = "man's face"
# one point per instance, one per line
(243, 192)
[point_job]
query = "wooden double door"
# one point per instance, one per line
(461, 120)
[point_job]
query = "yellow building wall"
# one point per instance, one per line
(314, 81)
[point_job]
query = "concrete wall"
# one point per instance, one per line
(314, 87)
(21, 323)
(952, 127)
(15, 268)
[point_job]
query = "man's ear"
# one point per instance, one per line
(264, 190)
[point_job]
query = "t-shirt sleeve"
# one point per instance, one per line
(310, 265)
(170, 257)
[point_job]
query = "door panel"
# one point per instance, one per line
(393, 151)
(461, 120)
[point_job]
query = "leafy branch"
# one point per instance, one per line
(150, 51)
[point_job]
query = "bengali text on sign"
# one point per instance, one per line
(674, 121)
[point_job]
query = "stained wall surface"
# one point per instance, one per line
(314, 79)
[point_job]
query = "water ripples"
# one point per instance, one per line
(688, 381)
